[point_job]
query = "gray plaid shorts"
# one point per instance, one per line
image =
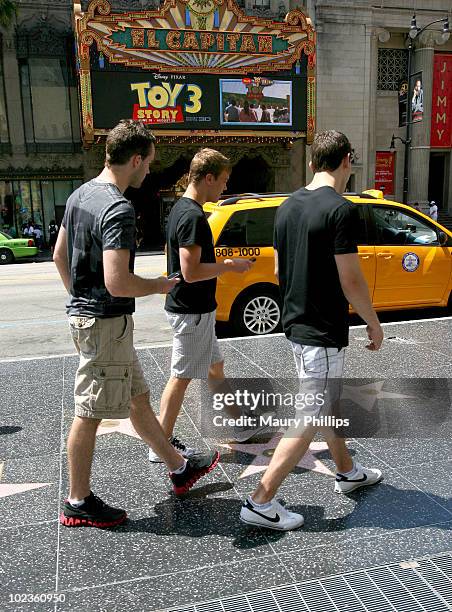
(195, 345)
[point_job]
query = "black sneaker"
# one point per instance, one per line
(92, 513)
(197, 466)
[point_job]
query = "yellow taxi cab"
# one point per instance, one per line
(406, 257)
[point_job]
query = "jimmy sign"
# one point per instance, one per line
(195, 65)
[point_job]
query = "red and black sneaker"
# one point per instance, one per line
(92, 513)
(197, 466)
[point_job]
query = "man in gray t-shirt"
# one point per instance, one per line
(94, 255)
(98, 218)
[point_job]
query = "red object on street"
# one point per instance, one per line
(384, 172)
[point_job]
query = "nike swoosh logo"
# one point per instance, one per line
(275, 519)
(356, 479)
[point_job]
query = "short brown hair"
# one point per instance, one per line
(207, 161)
(127, 139)
(328, 150)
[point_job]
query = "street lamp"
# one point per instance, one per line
(413, 33)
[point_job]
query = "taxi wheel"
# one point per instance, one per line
(6, 257)
(257, 312)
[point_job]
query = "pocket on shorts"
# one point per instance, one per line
(111, 387)
(184, 323)
(84, 334)
(126, 328)
(316, 361)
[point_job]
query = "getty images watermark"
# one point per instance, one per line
(308, 408)
(358, 408)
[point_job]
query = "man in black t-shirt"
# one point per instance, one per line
(94, 255)
(191, 305)
(319, 274)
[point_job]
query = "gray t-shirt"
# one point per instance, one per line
(98, 218)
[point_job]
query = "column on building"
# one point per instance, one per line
(420, 133)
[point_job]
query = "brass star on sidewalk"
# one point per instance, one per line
(264, 452)
(13, 489)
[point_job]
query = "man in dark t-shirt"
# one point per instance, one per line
(319, 274)
(94, 256)
(191, 305)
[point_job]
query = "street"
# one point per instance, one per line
(33, 321)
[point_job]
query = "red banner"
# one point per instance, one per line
(384, 172)
(441, 135)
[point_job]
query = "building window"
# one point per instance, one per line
(38, 201)
(261, 4)
(50, 104)
(392, 68)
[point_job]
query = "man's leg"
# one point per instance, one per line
(149, 429)
(80, 447)
(286, 456)
(171, 403)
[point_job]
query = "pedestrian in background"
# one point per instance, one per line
(53, 234)
(433, 211)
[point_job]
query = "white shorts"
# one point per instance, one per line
(320, 371)
(195, 344)
(318, 361)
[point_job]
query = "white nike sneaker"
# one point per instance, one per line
(183, 450)
(363, 478)
(274, 517)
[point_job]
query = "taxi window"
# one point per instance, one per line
(249, 228)
(396, 227)
(362, 237)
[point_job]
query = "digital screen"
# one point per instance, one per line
(258, 100)
(167, 101)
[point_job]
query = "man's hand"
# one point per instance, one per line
(375, 334)
(238, 265)
(167, 284)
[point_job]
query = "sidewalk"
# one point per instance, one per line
(45, 255)
(178, 553)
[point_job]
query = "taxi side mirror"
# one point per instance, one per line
(443, 238)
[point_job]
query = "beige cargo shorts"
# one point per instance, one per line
(109, 373)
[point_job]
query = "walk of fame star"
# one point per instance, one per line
(367, 395)
(264, 452)
(13, 489)
(121, 426)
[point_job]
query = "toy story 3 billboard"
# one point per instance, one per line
(195, 65)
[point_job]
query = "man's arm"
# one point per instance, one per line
(120, 282)
(356, 291)
(61, 259)
(193, 270)
(276, 264)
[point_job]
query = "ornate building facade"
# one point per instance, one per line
(42, 154)
(362, 58)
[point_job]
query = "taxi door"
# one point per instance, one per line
(366, 250)
(412, 268)
(247, 234)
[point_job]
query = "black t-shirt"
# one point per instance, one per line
(312, 227)
(97, 218)
(188, 226)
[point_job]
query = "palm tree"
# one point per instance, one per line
(7, 12)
